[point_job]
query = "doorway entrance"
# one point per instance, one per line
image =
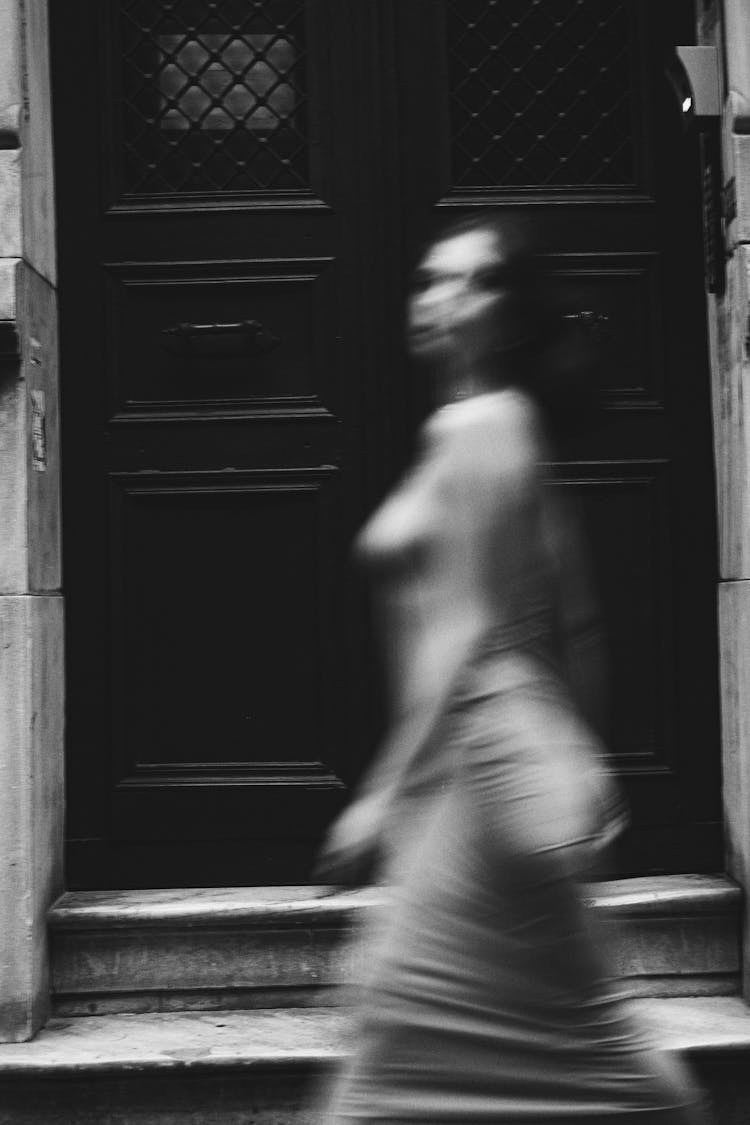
(241, 188)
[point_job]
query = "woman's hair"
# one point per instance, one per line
(554, 360)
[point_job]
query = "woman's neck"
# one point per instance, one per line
(455, 383)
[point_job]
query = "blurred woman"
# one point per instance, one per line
(485, 996)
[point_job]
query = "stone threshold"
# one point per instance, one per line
(700, 1027)
(666, 894)
(217, 906)
(300, 905)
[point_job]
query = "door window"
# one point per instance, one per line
(540, 94)
(214, 98)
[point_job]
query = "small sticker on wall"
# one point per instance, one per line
(38, 432)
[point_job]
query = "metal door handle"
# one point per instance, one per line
(247, 337)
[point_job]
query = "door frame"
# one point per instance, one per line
(40, 827)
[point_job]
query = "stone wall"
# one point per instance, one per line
(727, 26)
(31, 627)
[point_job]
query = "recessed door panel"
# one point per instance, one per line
(235, 336)
(614, 302)
(626, 507)
(221, 614)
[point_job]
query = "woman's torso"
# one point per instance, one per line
(459, 548)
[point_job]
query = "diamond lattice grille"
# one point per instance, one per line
(214, 96)
(541, 93)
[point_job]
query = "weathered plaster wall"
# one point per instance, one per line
(31, 626)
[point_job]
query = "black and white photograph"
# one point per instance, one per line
(374, 562)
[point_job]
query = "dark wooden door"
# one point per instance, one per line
(212, 331)
(561, 112)
(241, 190)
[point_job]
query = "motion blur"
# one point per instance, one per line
(484, 992)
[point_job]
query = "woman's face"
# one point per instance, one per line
(458, 307)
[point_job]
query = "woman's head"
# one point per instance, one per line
(479, 305)
(473, 294)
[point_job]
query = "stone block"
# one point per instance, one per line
(195, 969)
(10, 203)
(30, 508)
(10, 94)
(36, 153)
(687, 956)
(734, 629)
(737, 155)
(31, 805)
(8, 288)
(736, 18)
(37, 320)
(13, 544)
(731, 369)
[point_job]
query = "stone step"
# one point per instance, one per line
(227, 1068)
(673, 935)
(201, 949)
(218, 1068)
(268, 947)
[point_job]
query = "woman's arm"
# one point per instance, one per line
(391, 541)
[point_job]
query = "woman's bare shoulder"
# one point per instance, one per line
(499, 428)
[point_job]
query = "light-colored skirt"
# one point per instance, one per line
(484, 993)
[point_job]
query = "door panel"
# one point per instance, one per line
(234, 255)
(629, 334)
(182, 342)
(234, 602)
